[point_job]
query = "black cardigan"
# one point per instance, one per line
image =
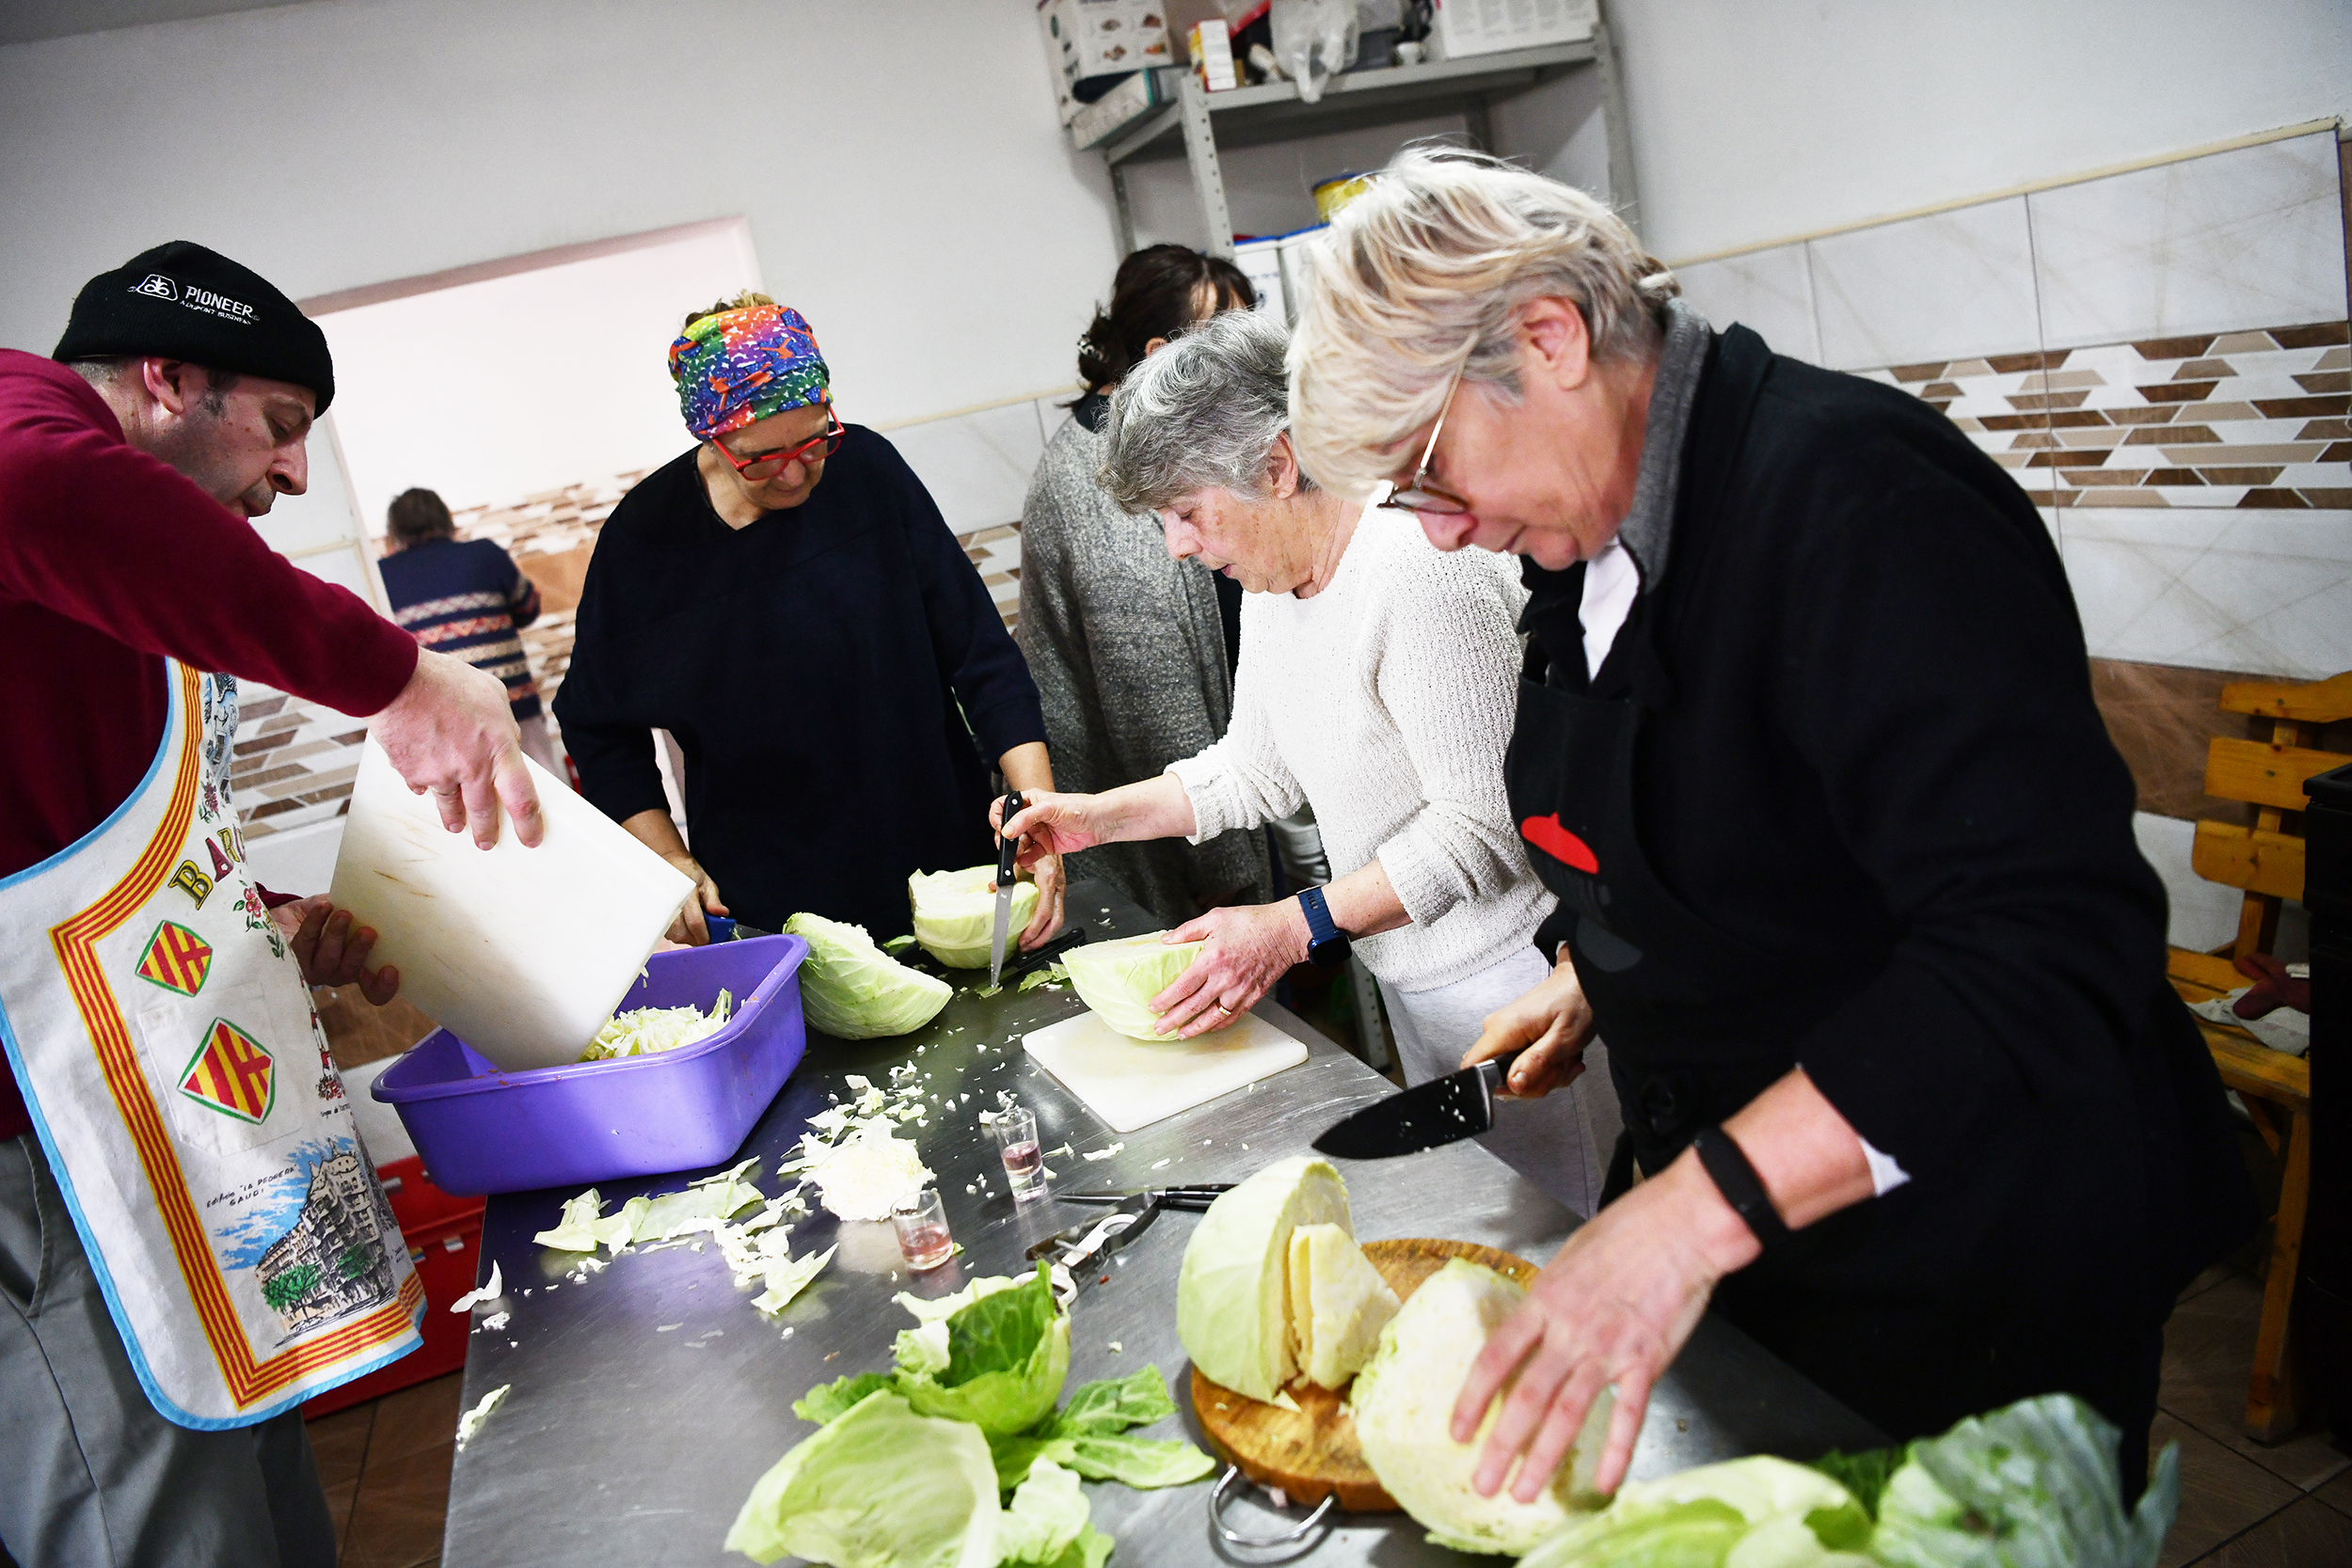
(1875, 755)
(825, 671)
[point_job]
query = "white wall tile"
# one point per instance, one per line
(975, 466)
(2204, 914)
(1941, 287)
(2237, 239)
(2260, 591)
(1765, 289)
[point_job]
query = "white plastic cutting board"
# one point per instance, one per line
(520, 953)
(1131, 1084)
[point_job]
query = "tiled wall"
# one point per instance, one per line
(296, 761)
(2160, 357)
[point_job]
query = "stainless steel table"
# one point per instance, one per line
(646, 1401)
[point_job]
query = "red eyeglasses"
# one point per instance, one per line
(767, 464)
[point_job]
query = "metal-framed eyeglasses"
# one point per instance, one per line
(1420, 493)
(767, 464)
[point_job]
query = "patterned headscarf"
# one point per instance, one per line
(743, 365)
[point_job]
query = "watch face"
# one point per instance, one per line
(1328, 954)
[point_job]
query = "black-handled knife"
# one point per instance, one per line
(1442, 1111)
(1008, 855)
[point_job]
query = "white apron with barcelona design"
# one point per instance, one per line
(176, 1074)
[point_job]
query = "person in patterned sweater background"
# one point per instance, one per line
(468, 599)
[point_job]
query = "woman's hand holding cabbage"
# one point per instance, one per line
(1249, 947)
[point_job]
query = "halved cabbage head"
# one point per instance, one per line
(1403, 1404)
(955, 913)
(1338, 1304)
(854, 991)
(1233, 1303)
(1118, 979)
(879, 1487)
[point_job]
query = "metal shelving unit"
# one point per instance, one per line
(1197, 123)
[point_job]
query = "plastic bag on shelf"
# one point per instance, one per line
(1313, 39)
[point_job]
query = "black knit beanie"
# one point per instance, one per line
(183, 301)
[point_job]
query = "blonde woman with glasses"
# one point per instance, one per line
(1843, 854)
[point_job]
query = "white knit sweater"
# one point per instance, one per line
(1385, 701)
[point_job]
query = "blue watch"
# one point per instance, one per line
(1327, 944)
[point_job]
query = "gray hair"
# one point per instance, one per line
(1425, 274)
(1203, 412)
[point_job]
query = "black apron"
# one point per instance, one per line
(1915, 1308)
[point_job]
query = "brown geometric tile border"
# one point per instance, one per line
(2261, 420)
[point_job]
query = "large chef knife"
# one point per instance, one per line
(1442, 1111)
(1008, 849)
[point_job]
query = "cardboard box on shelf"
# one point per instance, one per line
(1087, 40)
(1211, 48)
(1111, 113)
(1466, 28)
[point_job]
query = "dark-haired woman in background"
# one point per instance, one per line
(1133, 652)
(466, 597)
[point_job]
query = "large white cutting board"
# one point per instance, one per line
(520, 953)
(1131, 1084)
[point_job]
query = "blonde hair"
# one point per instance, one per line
(1425, 273)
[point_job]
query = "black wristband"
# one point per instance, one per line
(1741, 1186)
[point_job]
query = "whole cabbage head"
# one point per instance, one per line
(1118, 979)
(955, 913)
(1403, 1404)
(854, 991)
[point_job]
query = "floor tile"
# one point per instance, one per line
(2208, 1354)
(338, 1504)
(341, 1442)
(416, 1418)
(2207, 1280)
(2338, 1493)
(396, 1519)
(2307, 1535)
(2221, 1494)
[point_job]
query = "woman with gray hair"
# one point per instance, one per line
(1376, 682)
(1843, 853)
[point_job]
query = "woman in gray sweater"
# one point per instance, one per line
(1132, 653)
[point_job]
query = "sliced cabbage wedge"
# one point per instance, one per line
(1338, 1304)
(878, 1487)
(1403, 1404)
(955, 913)
(1233, 1292)
(1118, 979)
(854, 991)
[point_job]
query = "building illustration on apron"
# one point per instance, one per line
(182, 1088)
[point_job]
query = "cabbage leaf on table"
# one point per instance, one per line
(879, 1487)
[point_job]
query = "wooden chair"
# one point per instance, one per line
(2266, 861)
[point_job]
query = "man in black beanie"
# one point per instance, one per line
(155, 1352)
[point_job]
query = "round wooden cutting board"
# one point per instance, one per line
(1312, 1451)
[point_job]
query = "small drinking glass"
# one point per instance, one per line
(1024, 1161)
(921, 1222)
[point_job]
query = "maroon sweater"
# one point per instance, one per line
(109, 559)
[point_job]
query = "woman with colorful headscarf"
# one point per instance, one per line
(787, 601)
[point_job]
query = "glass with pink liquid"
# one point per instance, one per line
(1025, 1161)
(921, 1222)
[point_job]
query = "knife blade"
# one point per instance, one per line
(1008, 849)
(1442, 1111)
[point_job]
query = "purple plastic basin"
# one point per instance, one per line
(480, 1129)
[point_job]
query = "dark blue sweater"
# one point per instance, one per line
(826, 670)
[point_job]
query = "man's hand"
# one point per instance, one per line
(451, 733)
(1554, 1022)
(690, 929)
(330, 951)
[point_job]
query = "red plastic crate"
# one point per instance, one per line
(444, 1237)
